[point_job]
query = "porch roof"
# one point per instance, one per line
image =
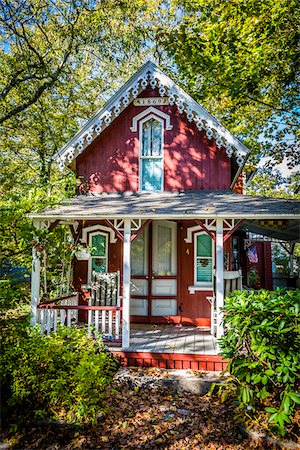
(179, 205)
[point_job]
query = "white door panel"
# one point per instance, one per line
(164, 287)
(138, 307)
(139, 287)
(164, 307)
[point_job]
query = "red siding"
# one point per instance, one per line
(191, 161)
(195, 307)
(263, 266)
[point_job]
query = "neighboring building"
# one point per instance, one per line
(161, 200)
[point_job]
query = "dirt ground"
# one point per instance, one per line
(145, 419)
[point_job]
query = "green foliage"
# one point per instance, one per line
(241, 61)
(62, 376)
(59, 62)
(262, 343)
(268, 182)
(12, 295)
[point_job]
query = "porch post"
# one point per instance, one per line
(126, 285)
(219, 276)
(35, 286)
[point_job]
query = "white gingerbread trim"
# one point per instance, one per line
(151, 112)
(150, 74)
(93, 228)
(209, 224)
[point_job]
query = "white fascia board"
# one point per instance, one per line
(166, 217)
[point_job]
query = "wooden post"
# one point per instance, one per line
(291, 253)
(219, 276)
(126, 285)
(35, 286)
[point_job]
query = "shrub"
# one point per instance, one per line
(64, 376)
(262, 343)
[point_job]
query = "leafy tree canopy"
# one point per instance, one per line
(241, 60)
(59, 62)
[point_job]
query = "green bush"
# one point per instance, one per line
(262, 344)
(13, 294)
(62, 376)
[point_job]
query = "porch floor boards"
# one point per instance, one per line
(170, 339)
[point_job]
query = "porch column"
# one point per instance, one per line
(35, 286)
(219, 276)
(126, 285)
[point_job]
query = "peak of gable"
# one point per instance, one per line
(150, 74)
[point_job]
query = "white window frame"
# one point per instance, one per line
(202, 285)
(145, 119)
(94, 257)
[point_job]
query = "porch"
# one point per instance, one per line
(171, 347)
(175, 277)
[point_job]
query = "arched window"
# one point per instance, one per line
(151, 156)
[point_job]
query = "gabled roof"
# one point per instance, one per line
(149, 73)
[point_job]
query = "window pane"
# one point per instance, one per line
(152, 138)
(204, 270)
(146, 139)
(164, 250)
(99, 242)
(204, 245)
(138, 255)
(99, 264)
(152, 172)
(156, 138)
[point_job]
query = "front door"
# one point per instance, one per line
(154, 272)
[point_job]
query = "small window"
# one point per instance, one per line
(203, 260)
(151, 167)
(98, 241)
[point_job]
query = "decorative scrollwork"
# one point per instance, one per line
(117, 109)
(71, 154)
(219, 142)
(107, 118)
(189, 114)
(172, 98)
(209, 133)
(162, 90)
(240, 160)
(144, 81)
(135, 89)
(89, 136)
(98, 126)
(80, 145)
(180, 106)
(126, 98)
(62, 163)
(229, 150)
(199, 123)
(152, 81)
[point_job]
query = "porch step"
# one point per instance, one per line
(178, 361)
(175, 380)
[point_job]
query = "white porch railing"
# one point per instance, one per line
(232, 282)
(103, 319)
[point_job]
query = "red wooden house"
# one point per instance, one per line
(161, 201)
